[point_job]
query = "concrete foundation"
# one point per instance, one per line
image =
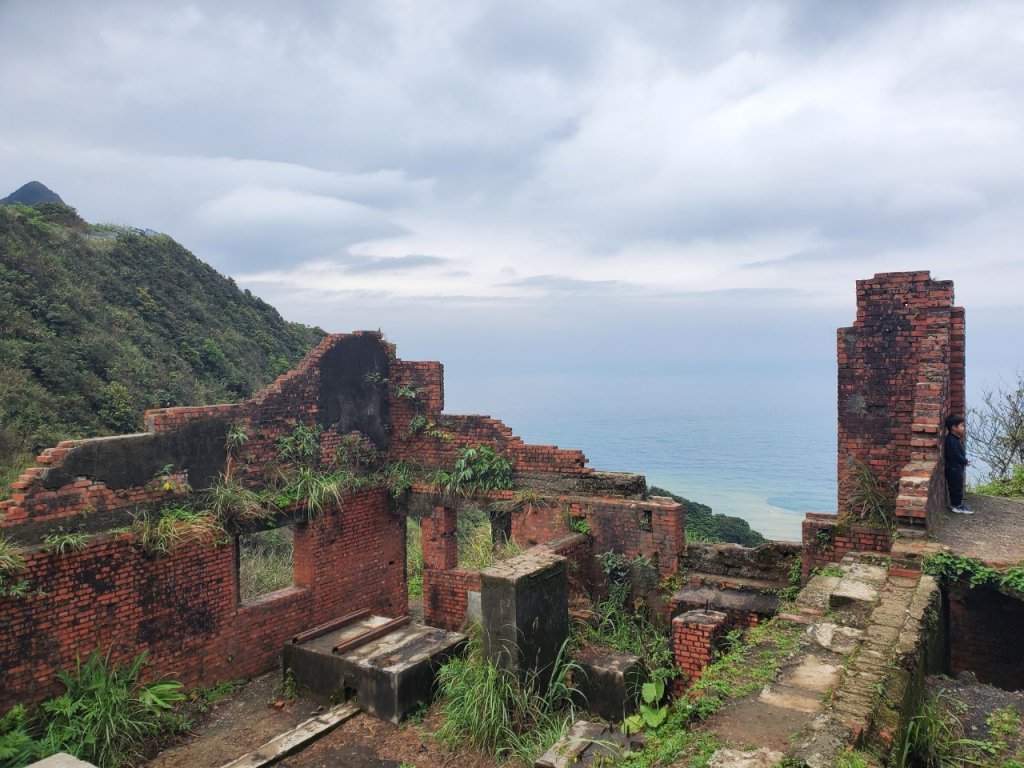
(391, 675)
(525, 604)
(609, 682)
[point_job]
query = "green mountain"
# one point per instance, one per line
(703, 525)
(98, 323)
(32, 193)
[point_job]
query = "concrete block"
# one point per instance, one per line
(609, 682)
(525, 604)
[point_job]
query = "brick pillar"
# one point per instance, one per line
(695, 635)
(668, 523)
(957, 362)
(440, 546)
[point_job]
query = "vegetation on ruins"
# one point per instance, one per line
(952, 568)
(748, 662)
(935, 738)
(622, 621)
(11, 564)
(163, 531)
(477, 469)
(65, 541)
(996, 435)
(105, 716)
(98, 323)
(704, 526)
(869, 499)
(265, 562)
(490, 709)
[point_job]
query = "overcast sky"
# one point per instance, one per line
(695, 180)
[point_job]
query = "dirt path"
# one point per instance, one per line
(248, 719)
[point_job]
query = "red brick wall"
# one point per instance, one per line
(183, 607)
(986, 634)
(695, 637)
(654, 530)
(901, 369)
(445, 596)
(826, 542)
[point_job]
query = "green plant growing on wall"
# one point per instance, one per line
(408, 391)
(234, 442)
(11, 563)
(301, 446)
(869, 500)
(477, 470)
(65, 542)
(162, 532)
(231, 502)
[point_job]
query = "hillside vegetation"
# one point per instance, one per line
(703, 525)
(98, 323)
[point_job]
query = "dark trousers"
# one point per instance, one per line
(955, 482)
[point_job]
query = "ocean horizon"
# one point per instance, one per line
(763, 451)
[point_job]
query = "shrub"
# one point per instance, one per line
(869, 500)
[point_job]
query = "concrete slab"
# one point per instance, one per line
(586, 744)
(836, 638)
(816, 592)
(795, 699)
(390, 675)
(755, 724)
(874, 575)
(61, 760)
(853, 595)
(811, 674)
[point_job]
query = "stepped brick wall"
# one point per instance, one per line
(901, 371)
(826, 541)
(696, 636)
(183, 608)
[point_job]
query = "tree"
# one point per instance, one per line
(996, 429)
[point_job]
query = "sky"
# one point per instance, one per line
(602, 188)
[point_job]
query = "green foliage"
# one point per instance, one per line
(477, 550)
(624, 627)
(65, 542)
(935, 739)
(704, 526)
(301, 446)
(232, 503)
(161, 532)
(17, 744)
(265, 562)
(477, 470)
(106, 715)
(1010, 486)
(94, 329)
(869, 500)
(652, 712)
(491, 710)
(11, 563)
(397, 477)
(952, 568)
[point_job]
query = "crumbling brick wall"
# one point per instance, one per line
(826, 541)
(986, 632)
(901, 370)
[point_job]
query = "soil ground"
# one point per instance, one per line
(249, 719)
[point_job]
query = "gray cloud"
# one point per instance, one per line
(396, 264)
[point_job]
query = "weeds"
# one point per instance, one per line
(106, 716)
(476, 470)
(170, 527)
(65, 542)
(232, 502)
(264, 562)
(17, 745)
(11, 563)
(491, 710)
(869, 500)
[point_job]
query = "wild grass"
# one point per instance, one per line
(414, 556)
(106, 716)
(160, 533)
(477, 549)
(265, 562)
(935, 738)
(65, 542)
(869, 500)
(492, 710)
(232, 502)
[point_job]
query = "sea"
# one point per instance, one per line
(763, 450)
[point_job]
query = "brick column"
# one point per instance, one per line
(440, 546)
(695, 635)
(668, 524)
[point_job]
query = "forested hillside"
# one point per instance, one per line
(98, 323)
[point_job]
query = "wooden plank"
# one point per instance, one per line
(297, 738)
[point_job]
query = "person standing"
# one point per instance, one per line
(955, 457)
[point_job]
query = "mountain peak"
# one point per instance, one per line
(32, 193)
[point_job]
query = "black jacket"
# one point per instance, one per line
(955, 456)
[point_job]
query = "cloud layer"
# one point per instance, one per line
(459, 153)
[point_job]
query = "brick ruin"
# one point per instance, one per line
(901, 369)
